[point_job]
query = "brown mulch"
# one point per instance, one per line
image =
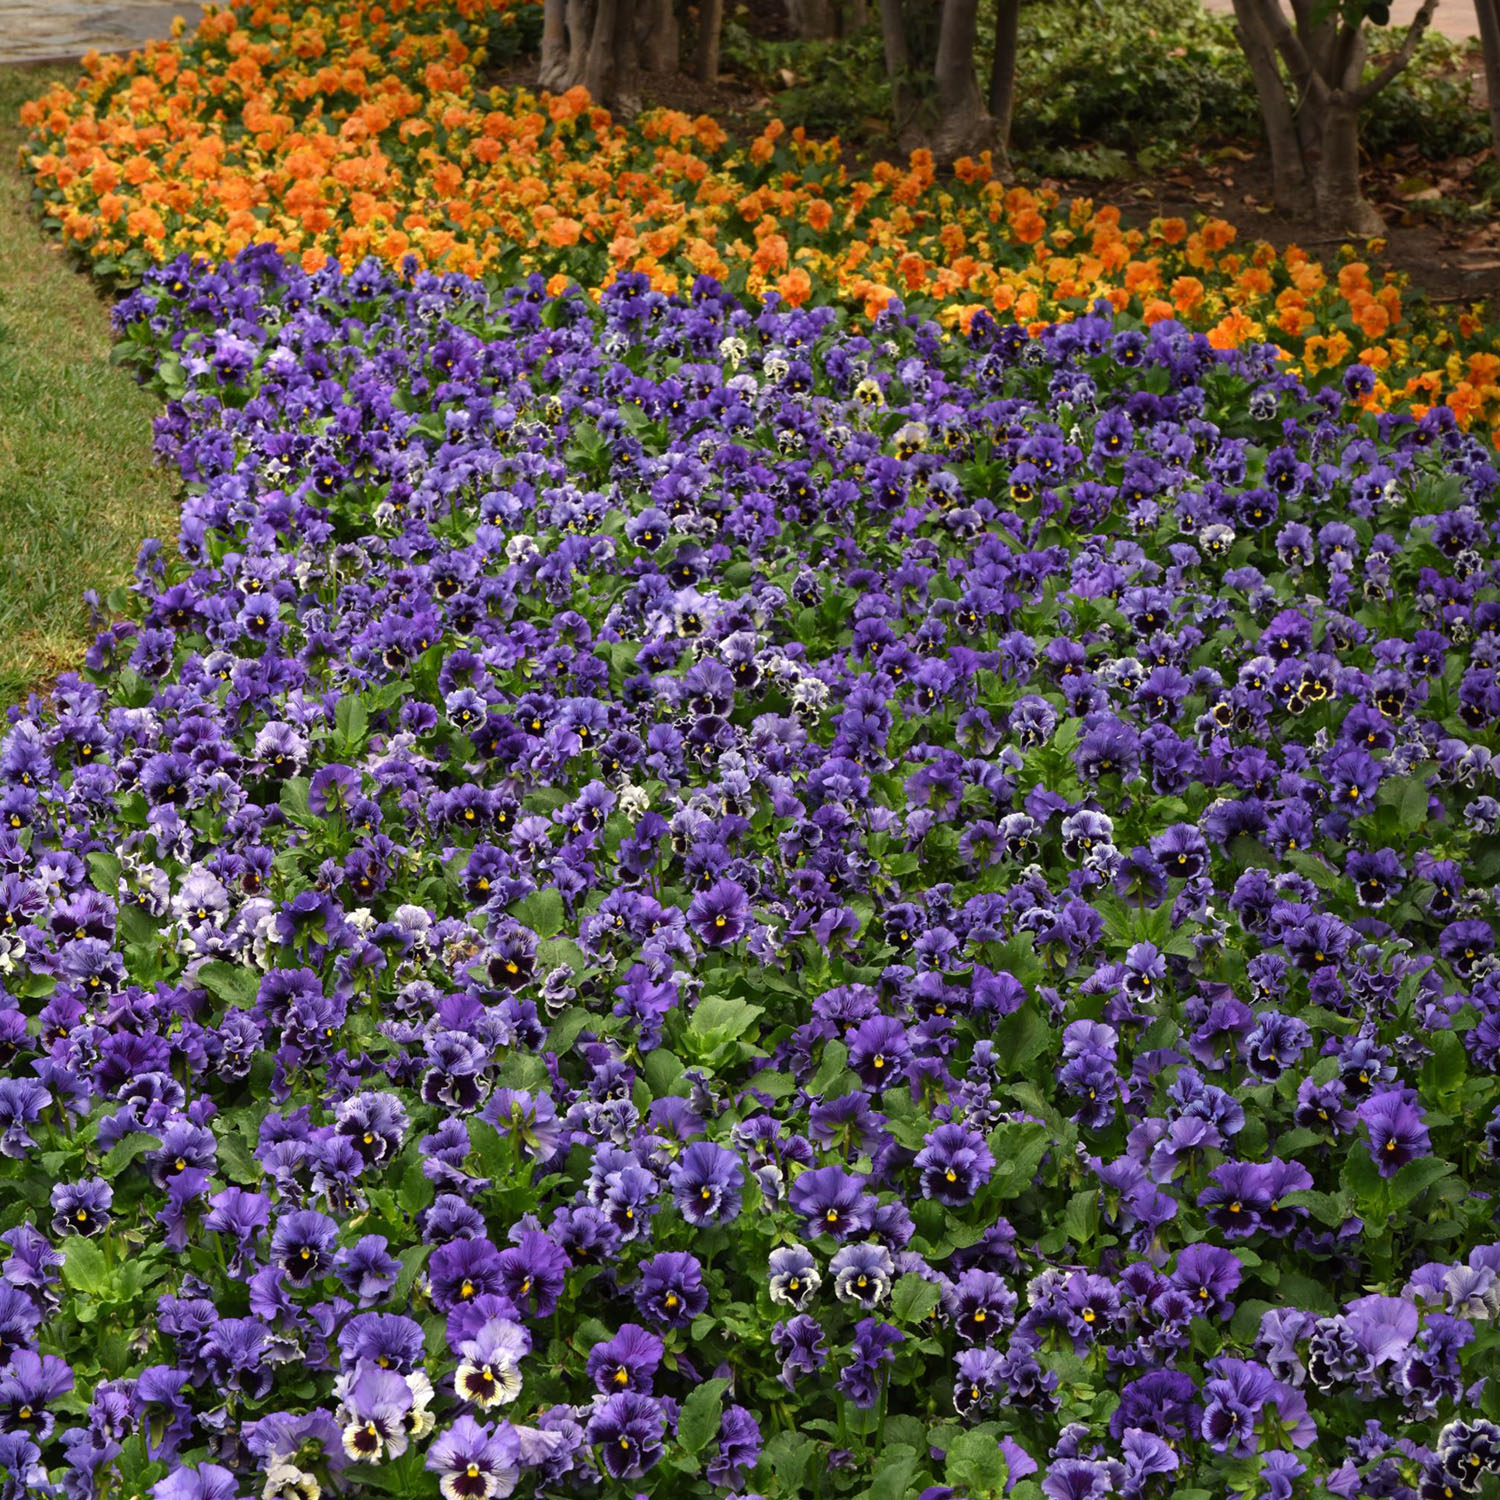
(1431, 233)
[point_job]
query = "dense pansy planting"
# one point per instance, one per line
(671, 899)
(353, 128)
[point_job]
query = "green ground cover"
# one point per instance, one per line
(78, 487)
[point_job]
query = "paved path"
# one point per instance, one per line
(1454, 18)
(61, 30)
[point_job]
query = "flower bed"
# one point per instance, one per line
(337, 131)
(613, 914)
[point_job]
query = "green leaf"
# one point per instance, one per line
(351, 721)
(124, 1151)
(1448, 1065)
(543, 912)
(721, 1018)
(663, 1071)
(788, 1454)
(412, 1259)
(236, 1162)
(1018, 1147)
(568, 1027)
(698, 1421)
(1416, 1177)
(233, 984)
(976, 1466)
(494, 1152)
(83, 1266)
(417, 1189)
(914, 1297)
(105, 870)
(1081, 1217)
(293, 802)
(776, 1085)
(559, 953)
(137, 926)
(1326, 1208)
(1022, 1037)
(835, 1056)
(894, 1476)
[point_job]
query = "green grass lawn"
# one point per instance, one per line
(78, 489)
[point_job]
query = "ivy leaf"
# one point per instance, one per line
(698, 1422)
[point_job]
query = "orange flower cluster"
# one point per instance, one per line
(358, 128)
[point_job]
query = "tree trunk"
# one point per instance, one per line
(810, 20)
(625, 86)
(1341, 206)
(658, 37)
(710, 24)
(1003, 74)
(853, 17)
(1314, 135)
(1288, 174)
(580, 29)
(553, 73)
(904, 103)
(963, 124)
(1488, 13)
(599, 61)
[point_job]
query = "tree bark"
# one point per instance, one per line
(658, 37)
(710, 25)
(810, 20)
(625, 86)
(905, 106)
(580, 29)
(553, 73)
(1003, 73)
(1341, 206)
(599, 62)
(1312, 128)
(600, 44)
(1488, 13)
(963, 123)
